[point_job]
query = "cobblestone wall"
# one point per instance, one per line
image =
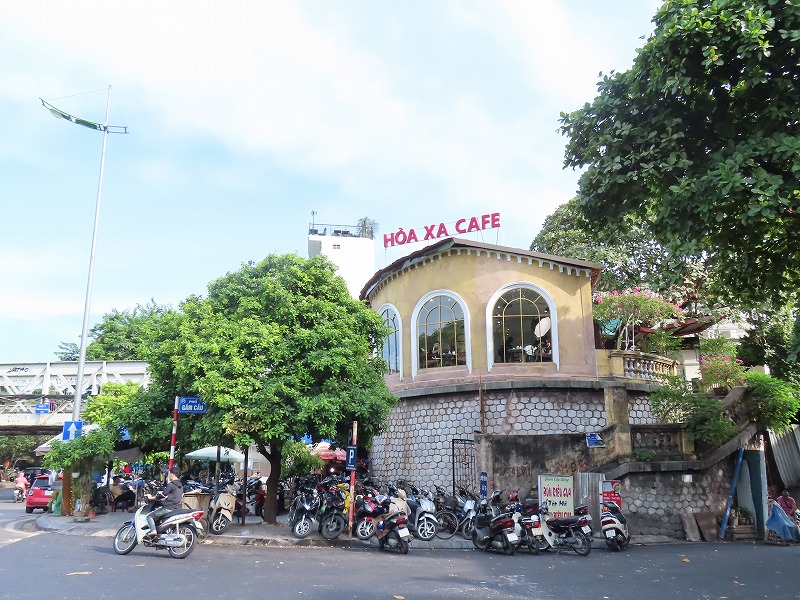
(654, 502)
(417, 445)
(639, 410)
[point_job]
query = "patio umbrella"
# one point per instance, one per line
(210, 453)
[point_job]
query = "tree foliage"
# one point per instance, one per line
(700, 140)
(120, 335)
(771, 402)
(282, 350)
(770, 341)
(14, 448)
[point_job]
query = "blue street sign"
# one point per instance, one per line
(42, 409)
(192, 405)
(350, 463)
(72, 430)
(594, 440)
(484, 484)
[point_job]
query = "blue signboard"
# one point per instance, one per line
(72, 430)
(484, 484)
(593, 440)
(43, 408)
(191, 405)
(350, 463)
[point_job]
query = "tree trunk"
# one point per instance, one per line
(270, 513)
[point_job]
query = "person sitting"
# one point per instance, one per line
(170, 500)
(122, 495)
(22, 482)
(547, 351)
(787, 503)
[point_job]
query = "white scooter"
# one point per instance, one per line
(615, 527)
(178, 531)
(222, 507)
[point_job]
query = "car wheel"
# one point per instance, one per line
(28, 509)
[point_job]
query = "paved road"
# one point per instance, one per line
(52, 566)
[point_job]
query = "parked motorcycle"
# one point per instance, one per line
(422, 514)
(178, 531)
(303, 511)
(455, 513)
(615, 527)
(570, 532)
(391, 527)
(494, 532)
(222, 506)
(332, 522)
(529, 531)
(365, 506)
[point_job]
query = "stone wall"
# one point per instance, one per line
(639, 409)
(417, 443)
(653, 502)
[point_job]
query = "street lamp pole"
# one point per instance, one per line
(76, 404)
(106, 129)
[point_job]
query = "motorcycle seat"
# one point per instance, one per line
(565, 522)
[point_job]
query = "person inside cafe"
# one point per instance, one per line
(122, 494)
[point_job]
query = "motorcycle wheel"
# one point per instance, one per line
(125, 540)
(477, 543)
(333, 526)
(301, 527)
(625, 541)
(426, 528)
(532, 545)
(613, 544)
(219, 523)
(447, 524)
(508, 547)
(190, 534)
(583, 545)
(467, 528)
(365, 529)
(402, 545)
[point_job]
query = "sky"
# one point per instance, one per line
(244, 118)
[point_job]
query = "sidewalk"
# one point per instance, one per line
(257, 533)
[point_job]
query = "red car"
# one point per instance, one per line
(40, 493)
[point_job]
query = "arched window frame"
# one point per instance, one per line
(551, 306)
(398, 334)
(415, 326)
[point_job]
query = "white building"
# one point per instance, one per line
(346, 247)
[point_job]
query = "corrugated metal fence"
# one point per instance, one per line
(786, 450)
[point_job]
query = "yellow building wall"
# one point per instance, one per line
(476, 278)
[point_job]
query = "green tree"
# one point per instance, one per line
(82, 455)
(281, 349)
(630, 257)
(770, 340)
(700, 140)
(120, 335)
(14, 448)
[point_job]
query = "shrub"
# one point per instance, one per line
(771, 402)
(675, 402)
(721, 371)
(662, 342)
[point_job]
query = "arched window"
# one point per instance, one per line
(391, 343)
(522, 327)
(440, 333)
